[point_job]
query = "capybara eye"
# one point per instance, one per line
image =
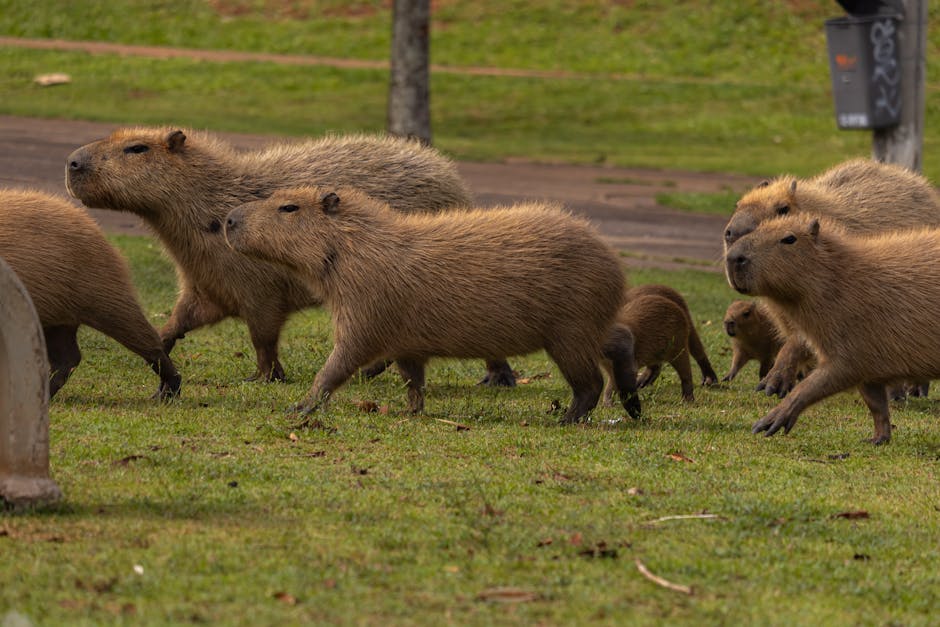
(789, 239)
(782, 211)
(747, 314)
(136, 149)
(288, 208)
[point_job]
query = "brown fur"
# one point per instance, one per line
(753, 336)
(450, 291)
(75, 277)
(661, 330)
(696, 348)
(184, 184)
(864, 196)
(866, 305)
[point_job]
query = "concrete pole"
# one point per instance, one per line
(409, 101)
(24, 399)
(903, 144)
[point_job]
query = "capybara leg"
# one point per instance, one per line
(619, 350)
(876, 397)
(339, 367)
(684, 368)
(920, 389)
(765, 365)
(608, 367)
(64, 355)
(499, 374)
(818, 385)
(375, 369)
(649, 375)
(125, 322)
(265, 333)
(737, 362)
(412, 371)
(190, 312)
(697, 349)
(783, 376)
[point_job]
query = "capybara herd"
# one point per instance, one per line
(843, 271)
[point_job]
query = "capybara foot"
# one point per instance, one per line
(499, 377)
(274, 374)
(646, 377)
(169, 389)
(777, 383)
(878, 440)
(710, 380)
(774, 421)
(632, 406)
(374, 370)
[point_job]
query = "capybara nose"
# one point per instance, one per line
(740, 261)
(78, 160)
(230, 223)
(729, 328)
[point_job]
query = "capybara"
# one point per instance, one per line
(449, 292)
(867, 306)
(864, 196)
(660, 330)
(753, 336)
(75, 277)
(696, 348)
(184, 184)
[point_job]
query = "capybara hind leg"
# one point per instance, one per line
(339, 367)
(499, 374)
(618, 350)
(582, 374)
(412, 371)
(125, 322)
(608, 395)
(697, 350)
(64, 355)
(375, 369)
(190, 312)
(265, 334)
(649, 374)
(684, 369)
(920, 389)
(875, 396)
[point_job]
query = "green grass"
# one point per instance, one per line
(721, 203)
(394, 519)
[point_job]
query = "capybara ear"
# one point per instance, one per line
(763, 183)
(792, 188)
(330, 203)
(174, 141)
(814, 229)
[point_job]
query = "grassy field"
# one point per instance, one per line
(659, 90)
(214, 508)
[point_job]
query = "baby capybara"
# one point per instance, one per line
(450, 291)
(866, 305)
(753, 336)
(75, 277)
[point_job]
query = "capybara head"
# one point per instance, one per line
(741, 317)
(768, 200)
(131, 169)
(773, 259)
(299, 227)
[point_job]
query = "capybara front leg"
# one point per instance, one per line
(375, 369)
(190, 312)
(339, 367)
(499, 374)
(412, 371)
(783, 376)
(737, 362)
(618, 349)
(818, 385)
(64, 355)
(875, 396)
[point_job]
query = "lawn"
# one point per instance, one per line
(214, 508)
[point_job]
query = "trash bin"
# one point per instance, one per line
(865, 69)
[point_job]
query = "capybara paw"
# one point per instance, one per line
(374, 370)
(632, 405)
(728, 377)
(710, 380)
(499, 378)
(688, 398)
(878, 440)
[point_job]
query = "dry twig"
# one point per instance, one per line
(659, 580)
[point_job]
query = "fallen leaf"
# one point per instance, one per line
(544, 542)
(599, 550)
(489, 510)
(73, 604)
(524, 423)
(293, 437)
(856, 515)
(634, 491)
(48, 80)
(679, 458)
(450, 568)
(317, 454)
(575, 539)
(233, 484)
(4, 533)
(285, 598)
(101, 587)
(369, 407)
(508, 595)
(383, 410)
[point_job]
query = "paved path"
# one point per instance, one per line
(620, 201)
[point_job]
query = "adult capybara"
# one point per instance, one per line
(867, 305)
(660, 330)
(184, 184)
(753, 336)
(450, 291)
(75, 277)
(696, 348)
(864, 196)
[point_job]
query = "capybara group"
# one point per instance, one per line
(862, 195)
(183, 184)
(660, 329)
(75, 277)
(408, 287)
(753, 336)
(867, 305)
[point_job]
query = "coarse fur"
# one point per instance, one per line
(183, 184)
(866, 304)
(450, 292)
(696, 348)
(75, 277)
(753, 336)
(865, 197)
(660, 329)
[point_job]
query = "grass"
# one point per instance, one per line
(214, 509)
(721, 203)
